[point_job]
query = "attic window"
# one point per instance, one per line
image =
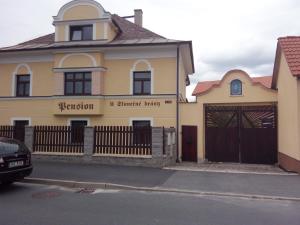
(236, 87)
(81, 33)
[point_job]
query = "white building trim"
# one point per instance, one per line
(20, 59)
(13, 119)
(101, 12)
(14, 78)
(67, 32)
(105, 35)
(79, 119)
(131, 119)
(94, 31)
(133, 69)
(140, 54)
(94, 62)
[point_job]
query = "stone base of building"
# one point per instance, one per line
(159, 162)
(288, 163)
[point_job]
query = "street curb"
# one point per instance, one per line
(231, 171)
(77, 184)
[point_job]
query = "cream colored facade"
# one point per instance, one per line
(253, 94)
(288, 87)
(112, 66)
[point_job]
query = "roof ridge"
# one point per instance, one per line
(288, 37)
(140, 28)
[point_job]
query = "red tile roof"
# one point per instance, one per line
(290, 47)
(205, 86)
(128, 32)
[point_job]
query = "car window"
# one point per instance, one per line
(8, 147)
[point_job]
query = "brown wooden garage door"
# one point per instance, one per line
(246, 134)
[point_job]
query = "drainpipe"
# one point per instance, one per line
(177, 105)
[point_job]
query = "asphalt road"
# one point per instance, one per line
(250, 184)
(24, 204)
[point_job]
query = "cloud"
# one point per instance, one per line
(226, 34)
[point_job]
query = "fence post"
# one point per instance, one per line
(88, 147)
(29, 135)
(157, 142)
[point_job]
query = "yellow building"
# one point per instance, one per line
(96, 69)
(100, 69)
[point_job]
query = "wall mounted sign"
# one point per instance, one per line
(78, 107)
(135, 103)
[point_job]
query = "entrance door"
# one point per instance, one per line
(189, 143)
(245, 134)
(77, 130)
(19, 129)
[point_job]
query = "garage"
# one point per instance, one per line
(241, 134)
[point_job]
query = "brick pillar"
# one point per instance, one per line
(29, 135)
(88, 147)
(157, 142)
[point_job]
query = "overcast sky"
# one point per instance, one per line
(231, 34)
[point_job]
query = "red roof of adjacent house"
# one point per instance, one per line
(204, 86)
(129, 33)
(290, 47)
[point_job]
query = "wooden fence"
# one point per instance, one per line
(7, 131)
(58, 139)
(122, 140)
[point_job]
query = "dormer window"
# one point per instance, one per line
(236, 87)
(81, 33)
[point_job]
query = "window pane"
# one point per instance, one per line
(20, 90)
(147, 87)
(87, 76)
(79, 76)
(236, 87)
(78, 87)
(24, 78)
(142, 75)
(69, 88)
(137, 87)
(76, 35)
(87, 87)
(26, 87)
(87, 32)
(69, 76)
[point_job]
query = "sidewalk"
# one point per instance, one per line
(286, 186)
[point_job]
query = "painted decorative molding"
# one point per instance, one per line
(131, 119)
(13, 119)
(78, 54)
(94, 31)
(102, 13)
(80, 69)
(26, 58)
(14, 78)
(133, 69)
(79, 119)
(141, 54)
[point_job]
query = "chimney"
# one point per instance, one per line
(138, 17)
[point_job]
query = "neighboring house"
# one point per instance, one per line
(247, 120)
(286, 80)
(233, 120)
(96, 69)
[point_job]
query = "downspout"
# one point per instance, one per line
(177, 105)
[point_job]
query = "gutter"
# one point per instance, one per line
(94, 46)
(177, 103)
